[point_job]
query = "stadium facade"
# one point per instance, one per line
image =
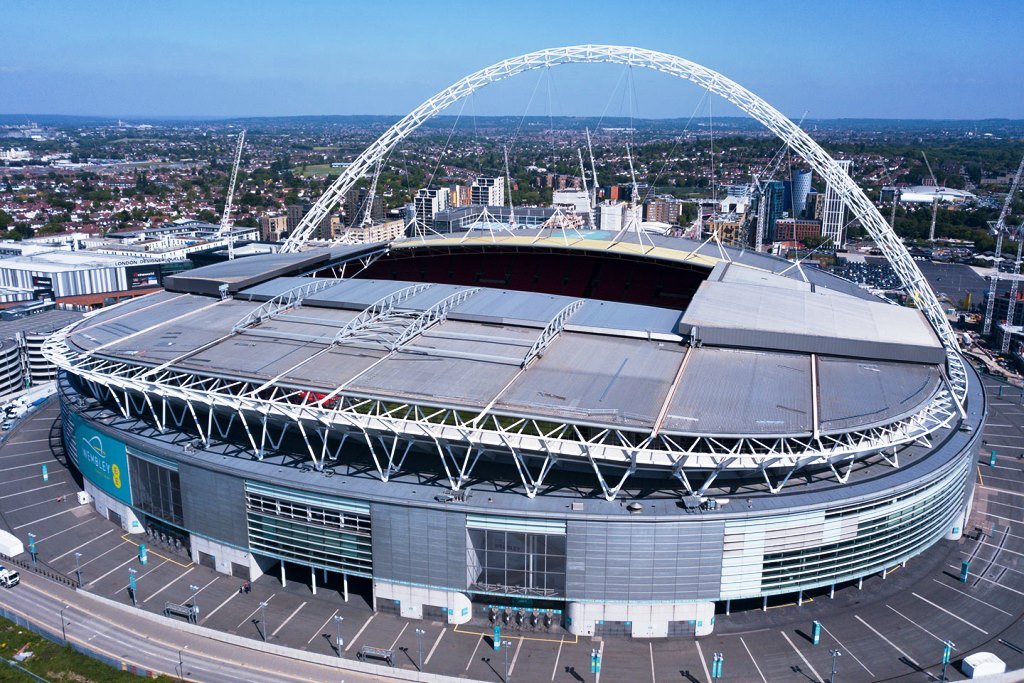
(622, 433)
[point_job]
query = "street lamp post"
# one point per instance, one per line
(63, 632)
(32, 549)
(181, 668)
(132, 585)
(419, 646)
(835, 655)
(195, 608)
(717, 662)
(78, 568)
(508, 646)
(263, 621)
(338, 641)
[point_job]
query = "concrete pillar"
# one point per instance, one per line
(800, 598)
(832, 591)
(728, 607)
(860, 583)
(283, 582)
(312, 574)
(344, 586)
(764, 605)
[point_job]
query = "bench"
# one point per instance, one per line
(376, 653)
(186, 611)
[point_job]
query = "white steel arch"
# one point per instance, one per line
(795, 138)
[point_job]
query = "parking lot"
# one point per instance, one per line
(892, 628)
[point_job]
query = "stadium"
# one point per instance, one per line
(620, 431)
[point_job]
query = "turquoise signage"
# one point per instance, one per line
(103, 461)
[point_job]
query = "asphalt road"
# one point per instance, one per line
(890, 629)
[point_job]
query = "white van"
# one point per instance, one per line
(9, 578)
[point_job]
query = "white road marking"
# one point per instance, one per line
(360, 632)
(38, 488)
(285, 622)
(472, 655)
(43, 519)
(253, 614)
(215, 609)
(104, 553)
(1002, 550)
(321, 629)
(33, 505)
(915, 624)
(34, 476)
(399, 636)
(846, 650)
(891, 644)
(943, 609)
(168, 585)
(515, 656)
(123, 564)
(47, 538)
(26, 453)
(558, 656)
(32, 464)
(95, 538)
(1003, 445)
(18, 443)
(817, 677)
(434, 647)
(600, 656)
(650, 647)
(1010, 493)
(143, 575)
(967, 595)
(700, 653)
(751, 659)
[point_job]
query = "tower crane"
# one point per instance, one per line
(1012, 303)
(371, 197)
(1000, 228)
(508, 183)
(225, 220)
(583, 176)
(593, 172)
(935, 199)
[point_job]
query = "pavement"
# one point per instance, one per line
(892, 628)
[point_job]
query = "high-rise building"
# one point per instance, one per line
(355, 206)
(488, 191)
(427, 202)
(272, 227)
(796, 229)
(459, 195)
(833, 214)
(664, 210)
(612, 216)
(294, 215)
(773, 196)
(797, 190)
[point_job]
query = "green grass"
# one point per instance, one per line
(317, 170)
(54, 662)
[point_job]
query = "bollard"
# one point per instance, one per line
(46, 473)
(965, 570)
(497, 638)
(992, 459)
(143, 555)
(816, 632)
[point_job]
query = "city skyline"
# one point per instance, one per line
(873, 61)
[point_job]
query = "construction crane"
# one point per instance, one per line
(935, 199)
(1011, 305)
(371, 197)
(586, 191)
(508, 182)
(593, 171)
(1000, 228)
(225, 220)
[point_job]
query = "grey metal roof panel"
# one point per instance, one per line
(784, 319)
(507, 306)
(122, 322)
(856, 394)
(244, 272)
(608, 315)
(736, 392)
(605, 380)
(45, 322)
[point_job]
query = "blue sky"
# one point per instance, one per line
(829, 59)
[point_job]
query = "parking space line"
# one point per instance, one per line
(26, 507)
(984, 578)
(26, 453)
(43, 519)
(650, 648)
(94, 538)
(233, 594)
(62, 531)
(943, 609)
(399, 636)
(600, 657)
(1009, 493)
(700, 653)
(38, 488)
(515, 656)
(253, 613)
(34, 476)
(32, 464)
(142, 575)
(169, 584)
(891, 644)
(18, 443)
(438, 642)
(968, 595)
(558, 655)
(914, 623)
(360, 632)
(817, 677)
(1000, 548)
(994, 516)
(101, 555)
(749, 654)
(319, 630)
(472, 655)
(103, 576)
(285, 622)
(847, 650)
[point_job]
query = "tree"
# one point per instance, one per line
(6, 220)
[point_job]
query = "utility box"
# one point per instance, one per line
(982, 664)
(84, 498)
(10, 545)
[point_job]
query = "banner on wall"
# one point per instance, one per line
(103, 460)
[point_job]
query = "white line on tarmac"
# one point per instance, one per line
(319, 630)
(43, 519)
(438, 642)
(34, 476)
(46, 538)
(26, 453)
(1003, 445)
(914, 623)
(650, 647)
(399, 636)
(515, 656)
(360, 632)
(100, 578)
(94, 538)
(143, 575)
(207, 617)
(749, 654)
(31, 464)
(992, 488)
(253, 613)
(967, 595)
(558, 656)
(943, 609)
(1005, 519)
(472, 655)
(18, 443)
(285, 622)
(1002, 550)
(700, 653)
(26, 507)
(833, 637)
(600, 658)
(104, 553)
(1012, 590)
(817, 677)
(38, 488)
(891, 644)
(170, 583)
